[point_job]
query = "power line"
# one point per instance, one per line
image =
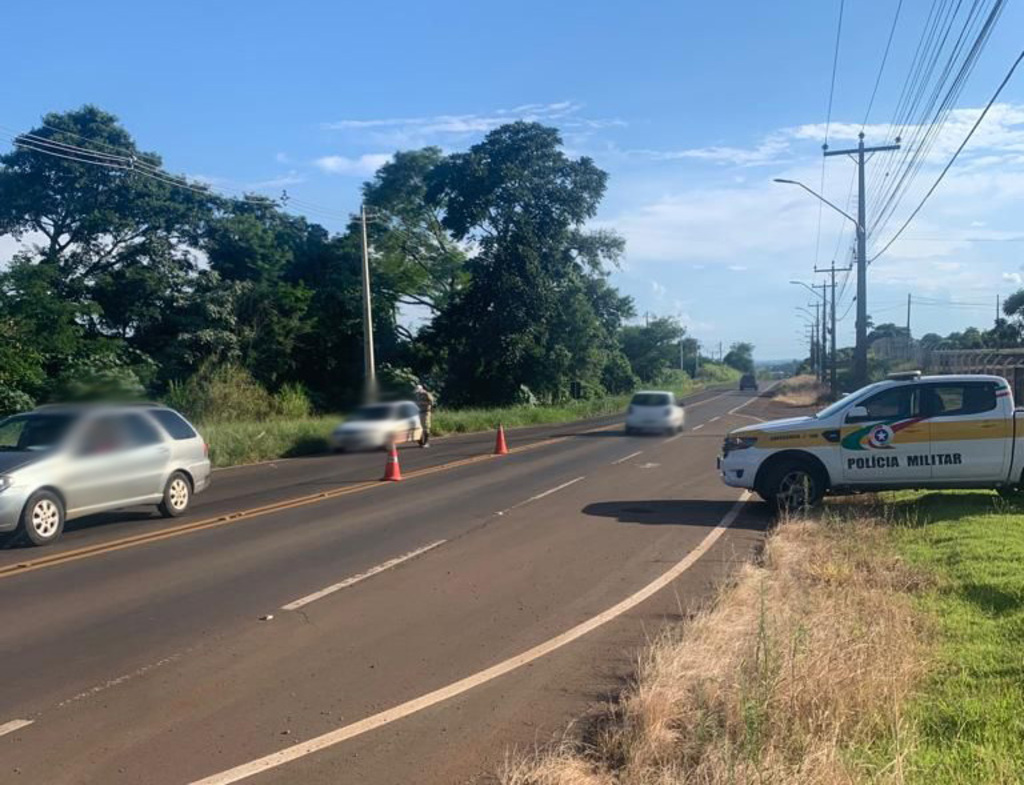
(952, 160)
(828, 121)
(128, 161)
(881, 68)
(935, 113)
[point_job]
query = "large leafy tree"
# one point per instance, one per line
(652, 348)
(526, 316)
(415, 256)
(741, 357)
(95, 217)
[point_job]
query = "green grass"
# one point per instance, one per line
(969, 716)
(241, 442)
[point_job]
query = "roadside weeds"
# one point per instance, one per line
(799, 391)
(801, 672)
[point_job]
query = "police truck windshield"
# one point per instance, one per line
(842, 403)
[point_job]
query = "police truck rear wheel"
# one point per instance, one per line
(794, 485)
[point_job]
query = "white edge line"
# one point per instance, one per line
(627, 457)
(713, 419)
(295, 605)
(13, 725)
(388, 716)
(698, 427)
(557, 488)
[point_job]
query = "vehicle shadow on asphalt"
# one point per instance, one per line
(672, 512)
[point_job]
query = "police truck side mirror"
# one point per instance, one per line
(856, 413)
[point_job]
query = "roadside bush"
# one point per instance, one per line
(222, 393)
(716, 372)
(13, 401)
(292, 401)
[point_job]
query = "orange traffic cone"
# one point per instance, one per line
(392, 470)
(500, 447)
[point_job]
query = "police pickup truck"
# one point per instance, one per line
(910, 431)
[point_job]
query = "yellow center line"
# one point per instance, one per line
(20, 568)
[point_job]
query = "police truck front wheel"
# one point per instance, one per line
(793, 485)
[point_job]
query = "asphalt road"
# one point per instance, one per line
(308, 624)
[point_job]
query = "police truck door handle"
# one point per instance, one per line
(830, 436)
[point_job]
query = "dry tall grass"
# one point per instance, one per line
(799, 391)
(799, 673)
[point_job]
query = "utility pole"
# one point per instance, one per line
(860, 351)
(369, 364)
(833, 359)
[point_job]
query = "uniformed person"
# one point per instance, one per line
(426, 403)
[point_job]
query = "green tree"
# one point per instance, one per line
(741, 357)
(414, 254)
(527, 316)
(95, 220)
(652, 348)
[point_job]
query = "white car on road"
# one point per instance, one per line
(374, 426)
(654, 411)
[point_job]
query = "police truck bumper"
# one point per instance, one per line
(738, 469)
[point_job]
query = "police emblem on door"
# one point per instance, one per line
(880, 437)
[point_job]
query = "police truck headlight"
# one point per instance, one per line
(733, 443)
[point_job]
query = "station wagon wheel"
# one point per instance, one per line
(42, 519)
(177, 496)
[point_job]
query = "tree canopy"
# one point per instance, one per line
(131, 281)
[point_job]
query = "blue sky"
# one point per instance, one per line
(691, 107)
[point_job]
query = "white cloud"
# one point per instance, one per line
(408, 130)
(363, 166)
(281, 181)
(769, 151)
(738, 268)
(1015, 278)
(283, 158)
(1002, 130)
(659, 290)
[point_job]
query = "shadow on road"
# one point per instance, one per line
(666, 512)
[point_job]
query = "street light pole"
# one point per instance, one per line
(834, 361)
(813, 289)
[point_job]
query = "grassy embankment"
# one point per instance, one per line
(800, 391)
(881, 643)
(245, 441)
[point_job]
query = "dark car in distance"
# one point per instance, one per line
(748, 382)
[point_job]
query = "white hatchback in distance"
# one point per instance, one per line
(376, 425)
(654, 411)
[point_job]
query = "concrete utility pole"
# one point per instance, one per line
(369, 364)
(860, 351)
(813, 289)
(833, 359)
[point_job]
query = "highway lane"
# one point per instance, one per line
(151, 665)
(247, 487)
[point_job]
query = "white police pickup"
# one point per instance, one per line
(910, 431)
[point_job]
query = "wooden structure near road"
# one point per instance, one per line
(1008, 363)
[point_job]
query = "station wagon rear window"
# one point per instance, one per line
(173, 423)
(652, 399)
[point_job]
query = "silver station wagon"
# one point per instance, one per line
(65, 461)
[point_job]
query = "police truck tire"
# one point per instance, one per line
(792, 485)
